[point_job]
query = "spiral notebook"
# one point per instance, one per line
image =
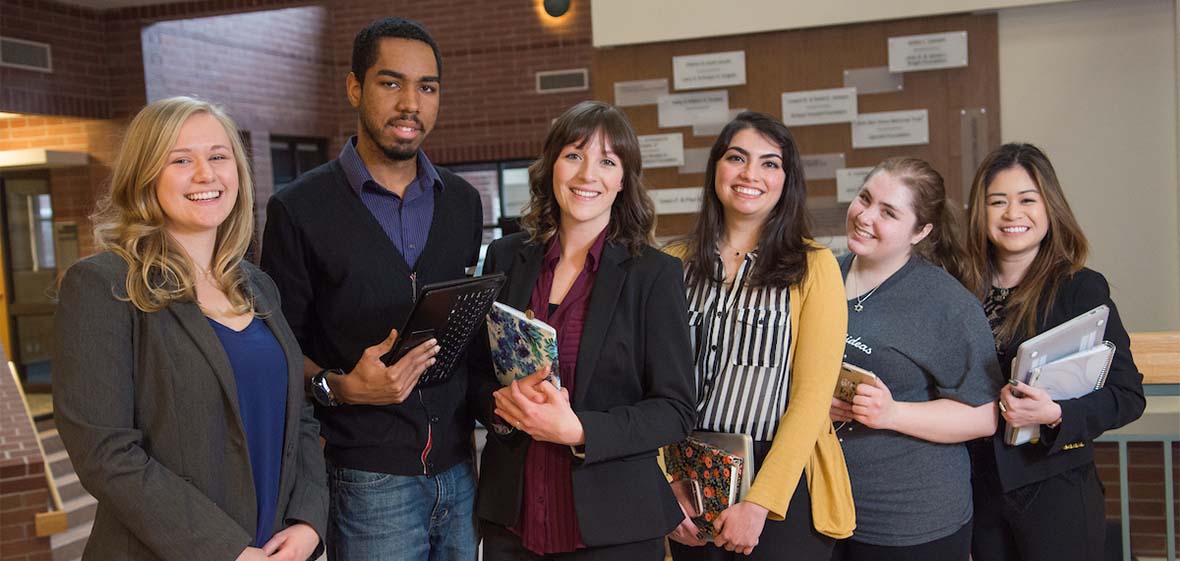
(1075, 375)
(1068, 361)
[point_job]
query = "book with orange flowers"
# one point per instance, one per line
(719, 472)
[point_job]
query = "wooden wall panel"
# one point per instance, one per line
(812, 59)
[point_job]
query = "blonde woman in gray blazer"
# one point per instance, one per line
(178, 386)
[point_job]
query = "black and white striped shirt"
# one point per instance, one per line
(741, 336)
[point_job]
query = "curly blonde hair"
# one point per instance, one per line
(130, 221)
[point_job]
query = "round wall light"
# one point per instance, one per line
(557, 8)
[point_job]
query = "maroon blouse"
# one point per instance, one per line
(548, 522)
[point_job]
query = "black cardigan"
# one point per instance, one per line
(634, 394)
(1083, 419)
(344, 286)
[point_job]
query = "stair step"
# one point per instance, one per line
(59, 463)
(68, 545)
(44, 424)
(69, 487)
(51, 441)
(80, 510)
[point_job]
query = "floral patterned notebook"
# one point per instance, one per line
(718, 472)
(521, 345)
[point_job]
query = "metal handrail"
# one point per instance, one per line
(1160, 429)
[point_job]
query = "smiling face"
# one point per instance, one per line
(587, 177)
(1016, 218)
(749, 178)
(198, 186)
(881, 224)
(398, 100)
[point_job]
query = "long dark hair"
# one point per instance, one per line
(1062, 253)
(632, 217)
(784, 241)
(943, 246)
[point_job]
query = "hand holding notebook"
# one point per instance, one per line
(1068, 361)
(718, 476)
(521, 344)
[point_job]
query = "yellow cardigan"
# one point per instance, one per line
(805, 441)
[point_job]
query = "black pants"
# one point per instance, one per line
(794, 538)
(499, 544)
(1062, 517)
(954, 547)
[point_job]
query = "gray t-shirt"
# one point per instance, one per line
(926, 337)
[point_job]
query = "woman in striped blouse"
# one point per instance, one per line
(767, 315)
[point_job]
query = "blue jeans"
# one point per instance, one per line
(384, 517)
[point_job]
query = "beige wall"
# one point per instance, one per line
(1094, 83)
(623, 22)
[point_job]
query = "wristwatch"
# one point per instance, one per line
(321, 391)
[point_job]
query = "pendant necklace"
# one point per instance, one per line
(861, 299)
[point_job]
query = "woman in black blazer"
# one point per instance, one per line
(1042, 500)
(572, 473)
(178, 386)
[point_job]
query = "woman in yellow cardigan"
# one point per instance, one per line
(767, 315)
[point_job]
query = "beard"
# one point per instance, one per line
(400, 150)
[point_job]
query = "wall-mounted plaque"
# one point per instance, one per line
(928, 52)
(874, 80)
(973, 145)
(848, 182)
(688, 109)
(679, 200)
(709, 70)
(891, 128)
(818, 107)
(714, 129)
(640, 92)
(821, 166)
(695, 160)
(662, 150)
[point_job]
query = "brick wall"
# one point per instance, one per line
(23, 489)
(279, 67)
(80, 83)
(74, 190)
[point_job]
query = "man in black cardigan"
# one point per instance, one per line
(348, 244)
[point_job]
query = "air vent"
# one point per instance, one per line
(29, 55)
(554, 81)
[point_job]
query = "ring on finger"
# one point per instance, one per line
(1003, 407)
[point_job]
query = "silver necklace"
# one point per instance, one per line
(861, 299)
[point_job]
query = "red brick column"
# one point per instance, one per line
(23, 489)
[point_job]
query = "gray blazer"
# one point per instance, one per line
(146, 405)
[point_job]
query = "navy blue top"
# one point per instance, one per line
(405, 220)
(260, 371)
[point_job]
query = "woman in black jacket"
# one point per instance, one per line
(1041, 500)
(571, 474)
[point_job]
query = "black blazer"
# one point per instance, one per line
(147, 406)
(1083, 419)
(634, 394)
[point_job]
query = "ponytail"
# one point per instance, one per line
(944, 245)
